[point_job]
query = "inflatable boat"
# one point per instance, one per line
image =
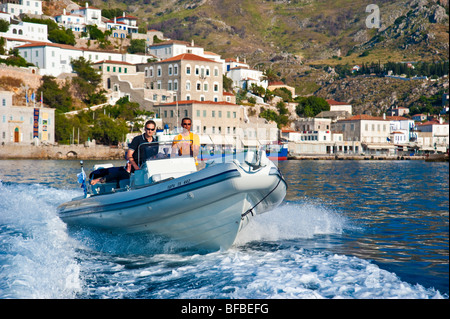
(170, 196)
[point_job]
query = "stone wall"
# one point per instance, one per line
(9, 151)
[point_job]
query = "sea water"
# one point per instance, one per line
(347, 229)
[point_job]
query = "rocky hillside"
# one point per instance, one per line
(304, 40)
(374, 95)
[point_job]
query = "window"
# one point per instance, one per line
(170, 70)
(204, 113)
(188, 70)
(199, 86)
(197, 72)
(188, 86)
(216, 87)
(159, 72)
(205, 87)
(175, 70)
(198, 113)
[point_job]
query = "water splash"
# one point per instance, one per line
(293, 220)
(37, 257)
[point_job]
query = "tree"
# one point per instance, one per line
(311, 106)
(137, 46)
(87, 81)
(108, 131)
(54, 96)
(270, 75)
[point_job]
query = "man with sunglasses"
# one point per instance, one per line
(186, 143)
(138, 153)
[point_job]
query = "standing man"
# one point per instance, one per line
(138, 154)
(186, 143)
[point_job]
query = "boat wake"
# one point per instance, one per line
(41, 258)
(293, 220)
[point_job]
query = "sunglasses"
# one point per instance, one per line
(150, 129)
(185, 124)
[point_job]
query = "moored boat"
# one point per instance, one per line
(170, 196)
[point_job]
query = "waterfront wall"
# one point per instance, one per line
(60, 152)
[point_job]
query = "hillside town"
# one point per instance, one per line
(176, 79)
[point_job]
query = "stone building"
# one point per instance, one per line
(25, 124)
(184, 77)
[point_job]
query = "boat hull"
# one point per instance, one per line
(207, 208)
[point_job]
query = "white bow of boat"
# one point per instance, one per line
(170, 196)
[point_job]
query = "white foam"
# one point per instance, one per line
(292, 221)
(38, 256)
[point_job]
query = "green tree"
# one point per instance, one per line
(137, 46)
(311, 106)
(281, 118)
(270, 75)
(54, 96)
(62, 36)
(87, 81)
(4, 25)
(108, 131)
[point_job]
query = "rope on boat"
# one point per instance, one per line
(250, 210)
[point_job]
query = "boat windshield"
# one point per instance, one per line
(163, 150)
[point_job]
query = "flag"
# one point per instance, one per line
(32, 96)
(82, 180)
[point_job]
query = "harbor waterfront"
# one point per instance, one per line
(347, 229)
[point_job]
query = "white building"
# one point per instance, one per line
(16, 7)
(336, 106)
(22, 124)
(171, 48)
(26, 31)
(244, 77)
(373, 133)
(401, 129)
(74, 22)
(122, 26)
(54, 59)
(433, 135)
(92, 15)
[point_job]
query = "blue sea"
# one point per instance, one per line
(346, 230)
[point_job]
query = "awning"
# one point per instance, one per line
(380, 146)
(205, 139)
(254, 143)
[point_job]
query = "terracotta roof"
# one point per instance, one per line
(333, 102)
(113, 62)
(50, 44)
(396, 118)
(188, 56)
(365, 117)
(432, 122)
(185, 102)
